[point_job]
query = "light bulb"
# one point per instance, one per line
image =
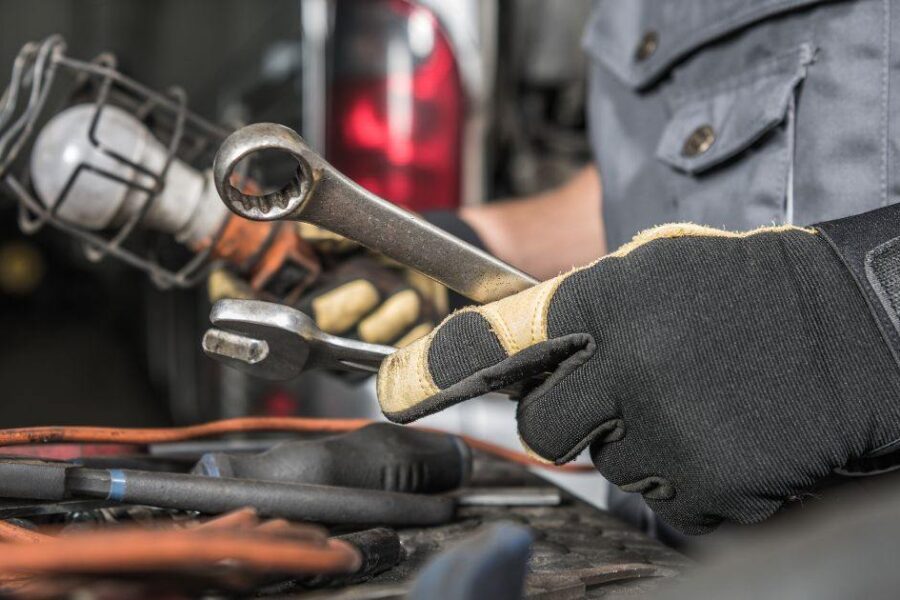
(187, 206)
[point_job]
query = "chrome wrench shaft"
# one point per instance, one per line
(323, 196)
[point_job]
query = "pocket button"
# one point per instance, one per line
(699, 141)
(648, 45)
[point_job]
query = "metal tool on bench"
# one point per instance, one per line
(321, 195)
(33, 479)
(380, 456)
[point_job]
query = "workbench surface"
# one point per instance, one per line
(580, 551)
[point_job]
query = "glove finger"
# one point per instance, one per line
(569, 410)
(326, 242)
(683, 500)
(340, 308)
(390, 320)
(695, 510)
(460, 360)
(224, 284)
(411, 381)
(417, 332)
(475, 351)
(435, 293)
(623, 461)
(463, 360)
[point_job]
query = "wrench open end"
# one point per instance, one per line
(280, 342)
(259, 338)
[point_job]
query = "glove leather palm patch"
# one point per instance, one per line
(716, 373)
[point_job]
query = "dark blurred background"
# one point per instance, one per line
(96, 342)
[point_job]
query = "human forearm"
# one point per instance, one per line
(547, 233)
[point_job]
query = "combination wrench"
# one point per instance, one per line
(279, 342)
(322, 195)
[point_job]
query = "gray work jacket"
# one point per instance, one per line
(741, 113)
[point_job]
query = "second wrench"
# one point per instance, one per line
(279, 342)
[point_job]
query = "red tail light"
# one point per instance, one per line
(395, 103)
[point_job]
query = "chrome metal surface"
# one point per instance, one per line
(321, 195)
(510, 496)
(278, 342)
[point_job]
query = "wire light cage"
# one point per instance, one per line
(46, 81)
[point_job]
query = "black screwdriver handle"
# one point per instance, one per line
(380, 456)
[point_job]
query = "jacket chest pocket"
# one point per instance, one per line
(717, 82)
(734, 142)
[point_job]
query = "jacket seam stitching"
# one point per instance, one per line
(885, 99)
(786, 65)
(684, 42)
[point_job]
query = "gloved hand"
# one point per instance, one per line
(716, 373)
(368, 298)
(358, 294)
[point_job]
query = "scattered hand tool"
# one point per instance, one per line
(298, 502)
(381, 456)
(27, 509)
(379, 549)
(279, 342)
(321, 195)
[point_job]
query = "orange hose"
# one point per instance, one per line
(14, 533)
(248, 518)
(162, 435)
(242, 518)
(35, 565)
(124, 435)
(130, 550)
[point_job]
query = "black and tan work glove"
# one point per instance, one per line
(358, 294)
(366, 296)
(718, 374)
